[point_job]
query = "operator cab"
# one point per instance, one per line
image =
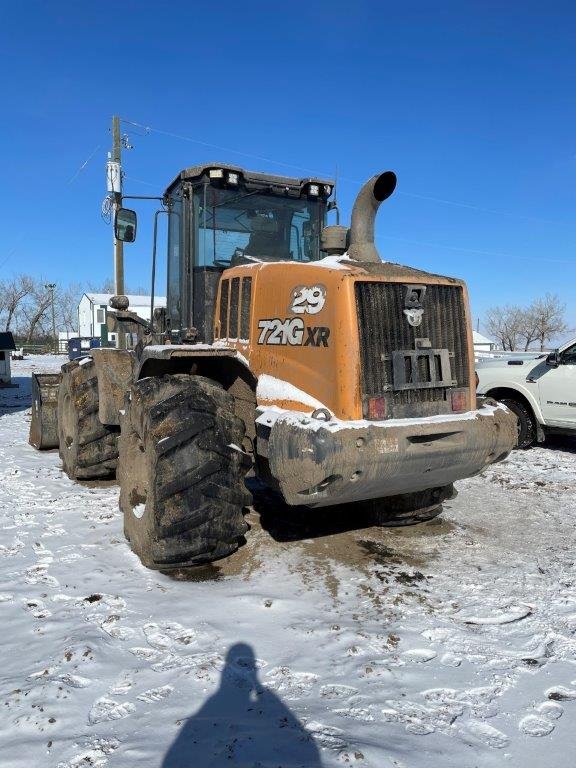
(223, 216)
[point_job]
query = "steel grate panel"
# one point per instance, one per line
(384, 329)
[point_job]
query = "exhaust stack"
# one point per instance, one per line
(361, 236)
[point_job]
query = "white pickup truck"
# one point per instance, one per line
(540, 390)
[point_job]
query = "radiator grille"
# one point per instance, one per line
(235, 305)
(234, 302)
(245, 308)
(384, 329)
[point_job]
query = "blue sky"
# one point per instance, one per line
(472, 104)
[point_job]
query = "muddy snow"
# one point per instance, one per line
(322, 642)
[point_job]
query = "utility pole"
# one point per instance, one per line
(52, 287)
(115, 187)
(118, 244)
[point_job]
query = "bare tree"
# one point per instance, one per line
(549, 319)
(107, 286)
(67, 300)
(3, 296)
(528, 327)
(542, 321)
(16, 290)
(37, 306)
(505, 324)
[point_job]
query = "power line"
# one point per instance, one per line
(84, 164)
(442, 201)
(12, 252)
(474, 251)
(140, 181)
(263, 159)
(474, 207)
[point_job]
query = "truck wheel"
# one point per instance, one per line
(411, 508)
(181, 472)
(88, 449)
(526, 422)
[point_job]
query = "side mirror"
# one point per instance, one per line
(125, 225)
(553, 359)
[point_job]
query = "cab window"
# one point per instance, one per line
(235, 223)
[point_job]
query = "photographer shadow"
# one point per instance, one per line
(242, 723)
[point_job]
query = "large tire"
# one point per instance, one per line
(527, 431)
(88, 448)
(182, 472)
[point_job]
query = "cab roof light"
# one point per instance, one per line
(313, 190)
(216, 173)
(233, 178)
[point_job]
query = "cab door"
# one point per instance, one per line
(557, 387)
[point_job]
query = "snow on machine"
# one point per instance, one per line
(287, 347)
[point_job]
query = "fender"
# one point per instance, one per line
(158, 359)
(115, 373)
(525, 389)
(217, 362)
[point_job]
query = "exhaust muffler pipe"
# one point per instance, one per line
(361, 245)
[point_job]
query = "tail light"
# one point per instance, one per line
(376, 408)
(459, 400)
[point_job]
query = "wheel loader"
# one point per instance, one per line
(287, 349)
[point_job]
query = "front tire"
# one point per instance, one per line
(181, 472)
(88, 448)
(526, 422)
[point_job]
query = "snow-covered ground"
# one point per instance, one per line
(448, 644)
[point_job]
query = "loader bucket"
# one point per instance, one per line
(44, 424)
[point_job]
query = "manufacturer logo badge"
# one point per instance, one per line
(414, 316)
(413, 300)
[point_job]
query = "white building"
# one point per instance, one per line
(63, 339)
(94, 307)
(483, 346)
(482, 343)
